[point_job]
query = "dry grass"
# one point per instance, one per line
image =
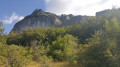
(57, 64)
(54, 64)
(33, 64)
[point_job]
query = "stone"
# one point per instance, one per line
(42, 19)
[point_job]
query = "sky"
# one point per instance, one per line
(13, 11)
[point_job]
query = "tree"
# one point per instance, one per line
(13, 55)
(103, 48)
(2, 35)
(64, 49)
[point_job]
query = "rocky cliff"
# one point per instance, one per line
(112, 11)
(37, 19)
(40, 19)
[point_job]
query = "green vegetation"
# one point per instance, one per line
(94, 43)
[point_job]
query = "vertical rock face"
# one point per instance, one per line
(70, 19)
(108, 11)
(103, 12)
(40, 19)
(37, 19)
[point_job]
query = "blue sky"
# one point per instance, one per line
(14, 10)
(18, 8)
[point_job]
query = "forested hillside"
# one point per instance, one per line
(93, 43)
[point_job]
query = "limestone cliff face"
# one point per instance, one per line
(103, 12)
(37, 19)
(40, 19)
(108, 11)
(70, 19)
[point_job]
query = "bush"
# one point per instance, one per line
(39, 53)
(13, 56)
(64, 49)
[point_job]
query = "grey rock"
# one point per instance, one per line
(103, 12)
(41, 19)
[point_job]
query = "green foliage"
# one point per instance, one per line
(99, 41)
(39, 53)
(44, 36)
(13, 56)
(84, 30)
(64, 49)
(2, 35)
(103, 47)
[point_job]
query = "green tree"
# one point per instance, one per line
(103, 48)
(13, 56)
(39, 53)
(64, 49)
(2, 35)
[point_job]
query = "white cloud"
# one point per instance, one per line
(79, 7)
(14, 17)
(20, 18)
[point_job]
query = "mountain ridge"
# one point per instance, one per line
(42, 19)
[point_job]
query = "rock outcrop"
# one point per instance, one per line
(40, 19)
(108, 11)
(37, 19)
(103, 12)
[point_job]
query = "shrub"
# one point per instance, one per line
(64, 49)
(13, 56)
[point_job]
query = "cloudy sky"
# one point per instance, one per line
(79, 7)
(13, 11)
